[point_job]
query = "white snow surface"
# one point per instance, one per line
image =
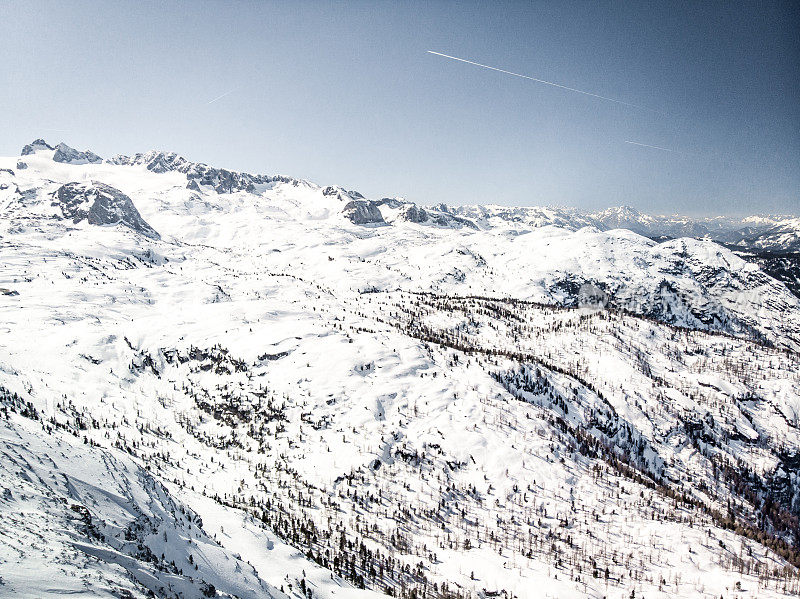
(268, 359)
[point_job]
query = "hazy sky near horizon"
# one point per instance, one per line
(347, 93)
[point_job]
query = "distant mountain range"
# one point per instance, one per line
(776, 233)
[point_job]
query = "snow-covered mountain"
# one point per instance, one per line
(778, 234)
(781, 235)
(625, 217)
(773, 233)
(220, 383)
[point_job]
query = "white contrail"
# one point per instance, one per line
(636, 143)
(222, 96)
(572, 89)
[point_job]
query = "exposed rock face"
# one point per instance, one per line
(100, 204)
(414, 214)
(363, 212)
(434, 216)
(334, 191)
(63, 153)
(68, 155)
(35, 146)
(21, 165)
(199, 175)
(157, 162)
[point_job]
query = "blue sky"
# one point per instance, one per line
(346, 93)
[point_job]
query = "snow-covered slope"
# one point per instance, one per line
(82, 520)
(365, 392)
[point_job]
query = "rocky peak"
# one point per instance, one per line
(363, 212)
(100, 204)
(68, 155)
(199, 175)
(35, 146)
(342, 194)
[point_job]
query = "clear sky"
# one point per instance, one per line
(346, 93)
